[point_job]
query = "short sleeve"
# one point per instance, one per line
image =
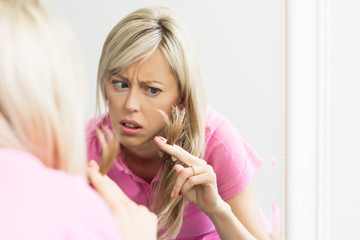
(232, 159)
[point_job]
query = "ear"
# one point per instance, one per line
(181, 103)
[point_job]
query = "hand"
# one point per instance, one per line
(197, 183)
(134, 221)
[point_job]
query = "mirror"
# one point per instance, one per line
(322, 119)
(238, 44)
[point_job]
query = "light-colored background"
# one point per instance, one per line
(238, 43)
(345, 120)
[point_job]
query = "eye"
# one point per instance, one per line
(119, 84)
(153, 91)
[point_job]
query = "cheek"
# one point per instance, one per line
(115, 101)
(166, 107)
(112, 106)
(154, 117)
(166, 104)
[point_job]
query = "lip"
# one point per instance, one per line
(127, 130)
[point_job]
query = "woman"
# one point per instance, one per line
(147, 68)
(44, 192)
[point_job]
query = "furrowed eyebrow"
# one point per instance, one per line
(150, 81)
(121, 77)
(145, 81)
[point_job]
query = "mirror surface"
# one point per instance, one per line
(238, 43)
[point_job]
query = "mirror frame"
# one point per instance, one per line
(305, 83)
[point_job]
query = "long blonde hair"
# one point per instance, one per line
(41, 84)
(136, 37)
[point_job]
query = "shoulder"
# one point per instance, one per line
(223, 138)
(212, 121)
(232, 158)
(87, 214)
(91, 218)
(64, 204)
(219, 130)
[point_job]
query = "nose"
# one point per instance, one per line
(132, 103)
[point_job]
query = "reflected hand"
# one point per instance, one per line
(134, 221)
(197, 183)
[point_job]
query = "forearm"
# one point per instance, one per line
(227, 225)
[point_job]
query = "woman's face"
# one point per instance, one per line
(135, 96)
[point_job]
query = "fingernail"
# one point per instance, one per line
(93, 165)
(180, 193)
(172, 195)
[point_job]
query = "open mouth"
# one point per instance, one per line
(129, 125)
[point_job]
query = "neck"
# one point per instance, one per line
(142, 158)
(144, 163)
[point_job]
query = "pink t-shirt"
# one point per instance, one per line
(46, 204)
(232, 159)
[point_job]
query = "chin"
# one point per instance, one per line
(132, 142)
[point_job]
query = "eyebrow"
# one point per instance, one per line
(122, 77)
(150, 81)
(141, 81)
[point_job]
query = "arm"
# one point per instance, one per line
(227, 225)
(245, 208)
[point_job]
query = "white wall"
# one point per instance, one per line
(345, 120)
(238, 44)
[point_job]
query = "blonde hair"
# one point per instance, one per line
(136, 37)
(41, 82)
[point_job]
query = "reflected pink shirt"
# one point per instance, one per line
(232, 159)
(46, 204)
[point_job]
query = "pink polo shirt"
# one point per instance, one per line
(46, 204)
(232, 159)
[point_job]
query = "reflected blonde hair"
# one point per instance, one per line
(41, 84)
(136, 37)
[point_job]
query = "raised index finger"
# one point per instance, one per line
(177, 152)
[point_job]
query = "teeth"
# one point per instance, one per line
(130, 125)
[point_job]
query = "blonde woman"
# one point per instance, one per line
(44, 192)
(147, 68)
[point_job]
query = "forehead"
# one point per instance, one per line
(155, 67)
